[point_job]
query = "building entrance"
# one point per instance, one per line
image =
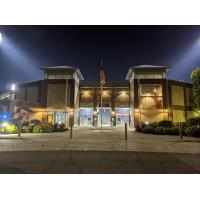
(106, 116)
(122, 116)
(86, 116)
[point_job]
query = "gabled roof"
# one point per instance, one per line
(70, 68)
(59, 67)
(149, 67)
(145, 67)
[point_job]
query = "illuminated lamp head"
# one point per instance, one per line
(4, 124)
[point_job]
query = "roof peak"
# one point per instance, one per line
(59, 67)
(150, 67)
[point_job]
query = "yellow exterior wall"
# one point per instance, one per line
(36, 115)
(178, 116)
(152, 115)
(177, 95)
(191, 114)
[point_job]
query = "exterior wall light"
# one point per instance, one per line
(105, 92)
(13, 87)
(146, 123)
(123, 93)
(4, 124)
(113, 113)
(71, 110)
(86, 93)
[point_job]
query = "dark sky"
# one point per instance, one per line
(27, 48)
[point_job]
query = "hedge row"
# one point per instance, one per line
(159, 130)
(193, 131)
(40, 128)
(165, 127)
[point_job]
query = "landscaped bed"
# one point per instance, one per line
(34, 126)
(165, 127)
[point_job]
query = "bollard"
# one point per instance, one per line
(71, 131)
(19, 128)
(180, 132)
(126, 131)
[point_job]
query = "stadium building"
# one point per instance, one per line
(145, 96)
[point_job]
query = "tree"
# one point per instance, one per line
(195, 76)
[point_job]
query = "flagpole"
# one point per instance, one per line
(101, 104)
(102, 81)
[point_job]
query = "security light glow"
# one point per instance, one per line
(13, 87)
(1, 37)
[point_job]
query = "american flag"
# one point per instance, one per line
(102, 78)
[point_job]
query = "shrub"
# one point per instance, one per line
(175, 131)
(193, 121)
(171, 131)
(38, 129)
(43, 128)
(159, 130)
(137, 128)
(47, 128)
(153, 124)
(11, 129)
(26, 129)
(35, 122)
(165, 123)
(147, 129)
(167, 131)
(193, 131)
(25, 123)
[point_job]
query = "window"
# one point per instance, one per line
(178, 116)
(177, 95)
(189, 96)
(151, 96)
(122, 115)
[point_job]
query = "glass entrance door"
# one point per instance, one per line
(122, 116)
(86, 116)
(106, 117)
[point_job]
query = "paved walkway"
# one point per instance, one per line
(91, 139)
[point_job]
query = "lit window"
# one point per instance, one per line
(151, 96)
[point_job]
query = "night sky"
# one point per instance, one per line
(27, 48)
